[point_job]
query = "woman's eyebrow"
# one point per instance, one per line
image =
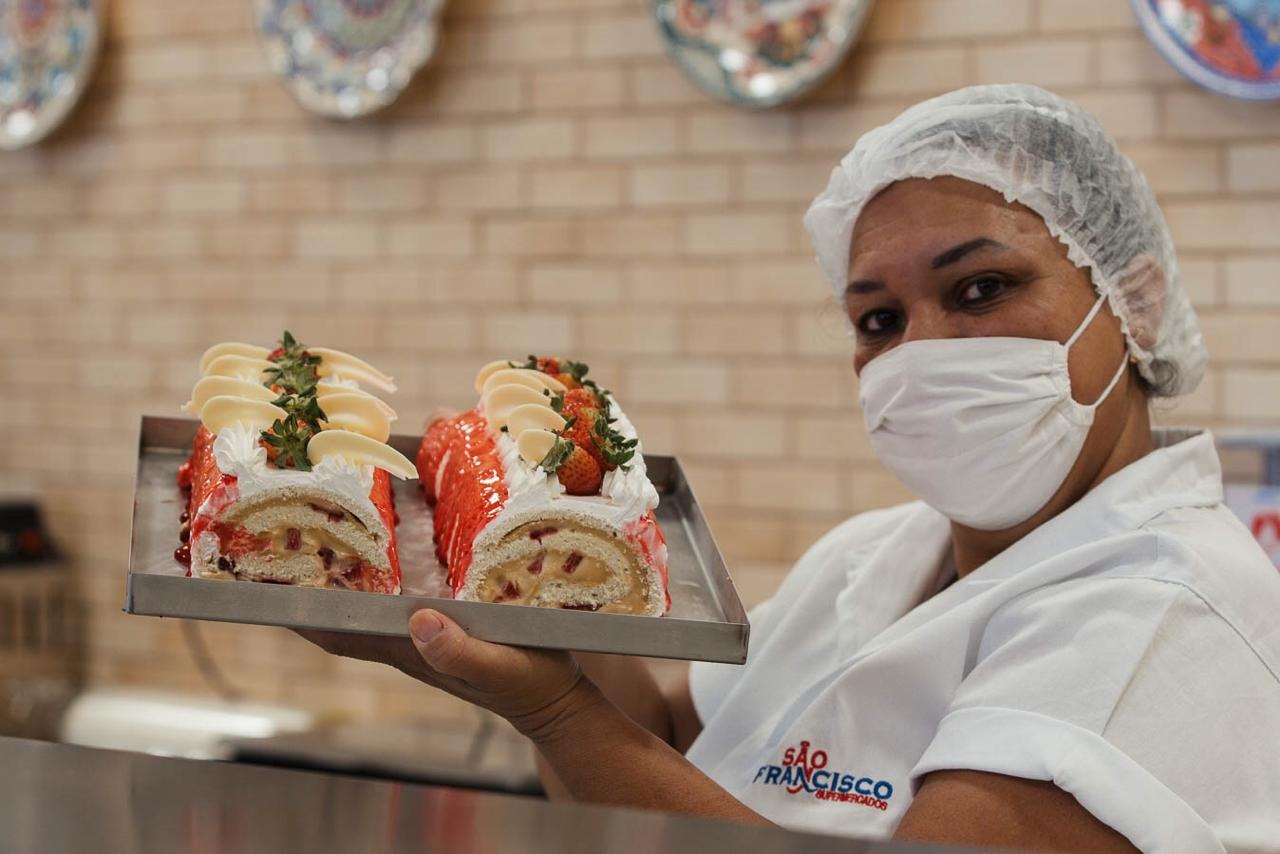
(863, 286)
(951, 256)
(955, 253)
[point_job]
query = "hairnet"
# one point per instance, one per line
(1046, 153)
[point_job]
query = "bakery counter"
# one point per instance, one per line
(58, 798)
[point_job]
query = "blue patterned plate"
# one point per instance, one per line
(1231, 47)
(347, 58)
(759, 53)
(47, 51)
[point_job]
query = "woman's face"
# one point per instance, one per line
(947, 258)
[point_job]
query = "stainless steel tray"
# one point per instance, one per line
(706, 621)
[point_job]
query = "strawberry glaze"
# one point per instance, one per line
(471, 488)
(212, 492)
(645, 534)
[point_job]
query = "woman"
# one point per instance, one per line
(1068, 643)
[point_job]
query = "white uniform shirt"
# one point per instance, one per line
(1127, 650)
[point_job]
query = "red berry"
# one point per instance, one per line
(580, 474)
(580, 406)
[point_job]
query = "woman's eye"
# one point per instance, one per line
(980, 290)
(878, 322)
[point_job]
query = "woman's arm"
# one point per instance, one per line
(596, 752)
(600, 755)
(979, 808)
(630, 685)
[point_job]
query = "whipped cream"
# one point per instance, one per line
(238, 452)
(624, 497)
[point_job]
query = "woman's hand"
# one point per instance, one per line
(596, 752)
(536, 690)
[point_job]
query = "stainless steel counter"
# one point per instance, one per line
(57, 798)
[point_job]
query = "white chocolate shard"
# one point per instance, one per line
(222, 411)
(358, 413)
(239, 367)
(208, 387)
(359, 450)
(513, 376)
(488, 371)
(231, 348)
(499, 402)
(550, 382)
(534, 445)
(522, 376)
(324, 391)
(336, 363)
(530, 416)
(376, 428)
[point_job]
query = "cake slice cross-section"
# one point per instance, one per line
(541, 495)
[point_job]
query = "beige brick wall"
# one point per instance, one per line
(551, 183)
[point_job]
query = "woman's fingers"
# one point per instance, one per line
(531, 688)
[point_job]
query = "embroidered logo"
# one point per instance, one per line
(805, 771)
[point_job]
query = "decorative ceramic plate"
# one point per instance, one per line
(759, 53)
(347, 58)
(47, 51)
(1231, 47)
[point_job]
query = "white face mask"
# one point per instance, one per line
(984, 430)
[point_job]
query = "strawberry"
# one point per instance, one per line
(589, 427)
(576, 401)
(580, 409)
(578, 471)
(613, 448)
(571, 374)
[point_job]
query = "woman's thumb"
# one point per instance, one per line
(448, 649)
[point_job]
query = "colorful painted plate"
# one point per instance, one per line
(759, 53)
(1231, 47)
(47, 52)
(348, 58)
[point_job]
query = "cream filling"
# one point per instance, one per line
(550, 567)
(310, 544)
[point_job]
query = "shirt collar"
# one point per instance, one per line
(1182, 470)
(890, 579)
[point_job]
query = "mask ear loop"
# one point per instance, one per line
(1084, 324)
(1124, 363)
(1124, 360)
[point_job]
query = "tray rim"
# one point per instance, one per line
(156, 594)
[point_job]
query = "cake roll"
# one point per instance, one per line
(289, 477)
(541, 496)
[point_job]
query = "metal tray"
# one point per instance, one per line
(706, 621)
